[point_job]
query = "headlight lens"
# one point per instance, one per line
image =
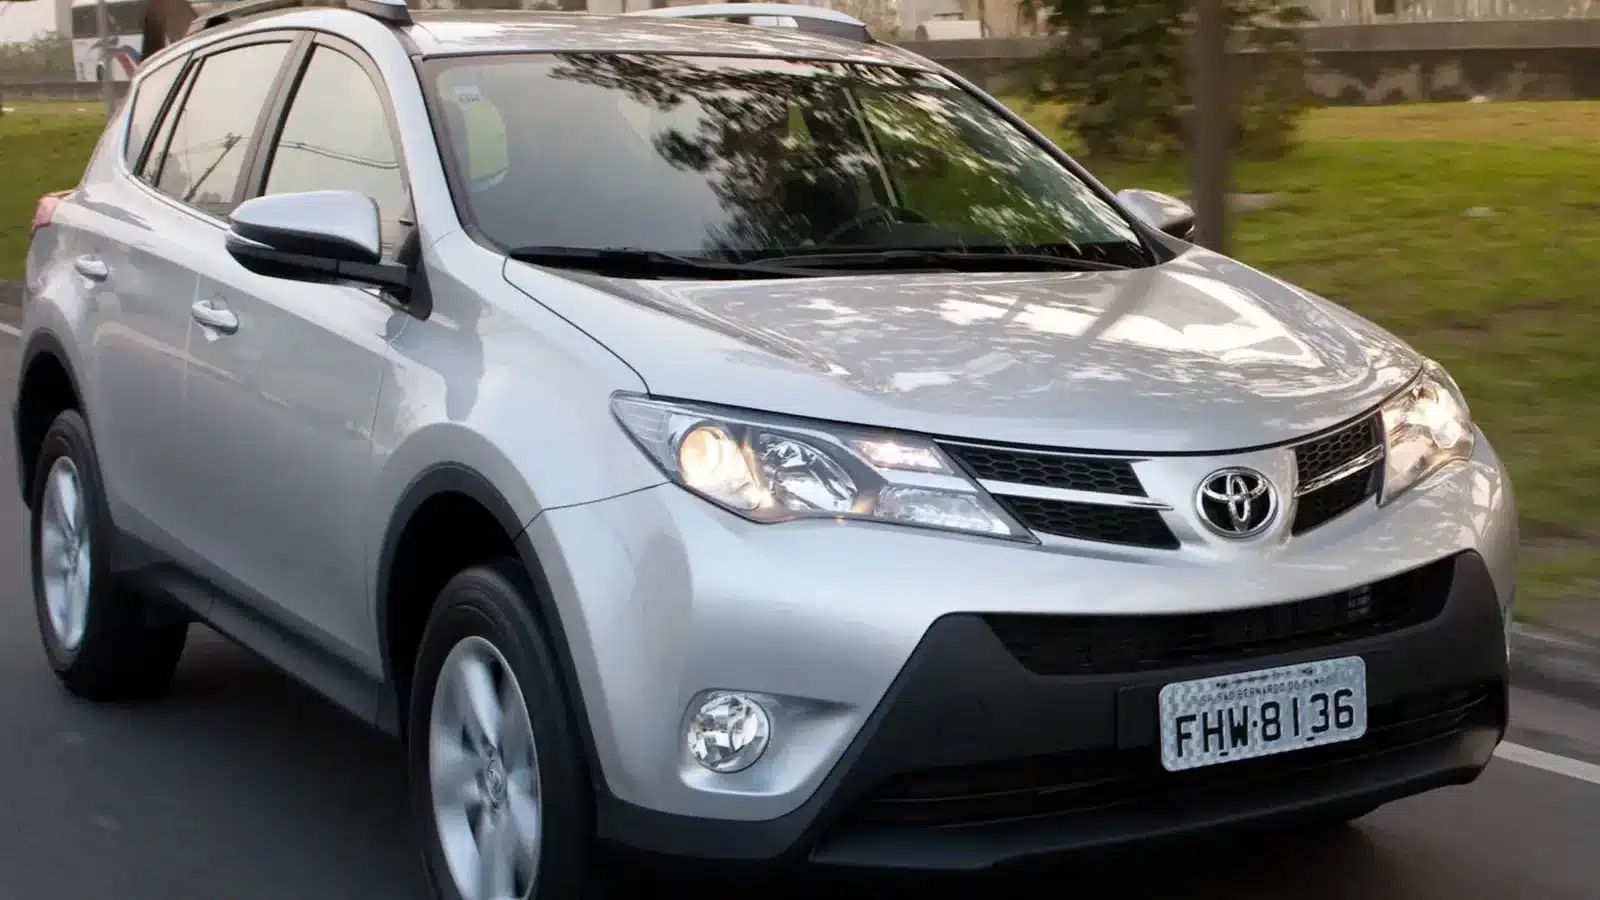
(1427, 426)
(771, 469)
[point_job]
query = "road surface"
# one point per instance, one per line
(242, 786)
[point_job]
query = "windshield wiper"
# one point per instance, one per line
(630, 262)
(985, 259)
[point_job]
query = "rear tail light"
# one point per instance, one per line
(45, 209)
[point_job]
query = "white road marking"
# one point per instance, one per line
(1561, 765)
(11, 330)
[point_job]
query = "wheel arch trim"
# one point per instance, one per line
(41, 342)
(457, 478)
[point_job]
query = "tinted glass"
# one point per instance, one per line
(205, 154)
(153, 90)
(336, 137)
(749, 157)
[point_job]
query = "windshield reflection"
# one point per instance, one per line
(741, 158)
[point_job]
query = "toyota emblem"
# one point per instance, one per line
(1237, 503)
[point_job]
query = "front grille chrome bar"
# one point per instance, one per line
(1067, 495)
(1354, 467)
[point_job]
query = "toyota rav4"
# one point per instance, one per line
(741, 441)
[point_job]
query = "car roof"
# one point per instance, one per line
(463, 32)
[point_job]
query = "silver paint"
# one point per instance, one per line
(1202, 354)
(342, 218)
(1162, 212)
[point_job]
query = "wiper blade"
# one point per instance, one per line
(983, 259)
(627, 260)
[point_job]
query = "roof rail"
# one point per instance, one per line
(815, 19)
(390, 12)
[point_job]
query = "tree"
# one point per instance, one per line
(1123, 67)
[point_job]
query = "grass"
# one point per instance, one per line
(43, 147)
(1470, 230)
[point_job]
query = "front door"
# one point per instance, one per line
(283, 383)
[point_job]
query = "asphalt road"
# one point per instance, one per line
(243, 786)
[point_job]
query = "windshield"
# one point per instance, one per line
(750, 158)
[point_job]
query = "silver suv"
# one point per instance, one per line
(734, 442)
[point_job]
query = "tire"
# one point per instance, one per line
(483, 617)
(103, 642)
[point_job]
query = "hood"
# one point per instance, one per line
(1201, 354)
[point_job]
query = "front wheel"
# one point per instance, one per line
(496, 779)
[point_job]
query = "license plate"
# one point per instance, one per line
(1227, 718)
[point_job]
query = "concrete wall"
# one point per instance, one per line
(1364, 12)
(1376, 64)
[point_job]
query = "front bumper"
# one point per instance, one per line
(915, 732)
(972, 761)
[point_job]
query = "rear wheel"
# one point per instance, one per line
(496, 778)
(103, 642)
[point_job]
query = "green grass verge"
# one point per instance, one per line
(43, 147)
(1471, 230)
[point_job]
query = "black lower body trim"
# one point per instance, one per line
(1015, 765)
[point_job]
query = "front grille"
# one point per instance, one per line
(1326, 455)
(1127, 525)
(1101, 498)
(1044, 469)
(1094, 645)
(1101, 779)
(1113, 521)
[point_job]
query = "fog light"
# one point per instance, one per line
(729, 732)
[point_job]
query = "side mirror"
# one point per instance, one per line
(323, 236)
(1163, 212)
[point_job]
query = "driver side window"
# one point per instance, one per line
(336, 136)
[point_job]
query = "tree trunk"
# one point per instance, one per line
(1211, 134)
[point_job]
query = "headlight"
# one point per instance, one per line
(1427, 426)
(770, 469)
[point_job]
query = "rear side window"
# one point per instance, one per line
(204, 156)
(153, 91)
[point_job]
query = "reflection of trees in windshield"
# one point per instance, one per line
(799, 154)
(744, 140)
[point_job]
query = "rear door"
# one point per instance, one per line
(132, 317)
(183, 186)
(149, 223)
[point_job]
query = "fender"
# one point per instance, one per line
(460, 479)
(41, 342)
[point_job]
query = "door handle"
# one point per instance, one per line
(91, 267)
(215, 316)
